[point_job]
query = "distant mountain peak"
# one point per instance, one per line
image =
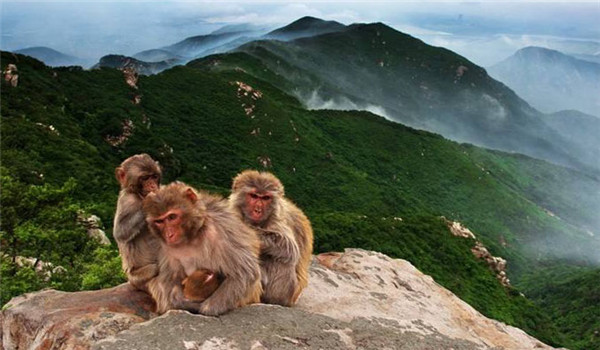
(50, 56)
(537, 51)
(304, 27)
(308, 20)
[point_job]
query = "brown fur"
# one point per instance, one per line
(138, 248)
(197, 288)
(286, 237)
(215, 239)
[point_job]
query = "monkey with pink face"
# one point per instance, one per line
(204, 248)
(285, 234)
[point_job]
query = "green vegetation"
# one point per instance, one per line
(570, 295)
(352, 172)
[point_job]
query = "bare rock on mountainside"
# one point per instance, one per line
(11, 75)
(496, 263)
(355, 300)
(59, 320)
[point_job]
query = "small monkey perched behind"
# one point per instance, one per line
(138, 175)
(199, 231)
(285, 232)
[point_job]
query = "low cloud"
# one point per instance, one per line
(315, 101)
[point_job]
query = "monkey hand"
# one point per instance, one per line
(211, 310)
(188, 305)
(279, 247)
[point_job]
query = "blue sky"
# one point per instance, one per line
(485, 31)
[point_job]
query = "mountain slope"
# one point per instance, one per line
(414, 83)
(156, 55)
(551, 81)
(146, 68)
(50, 56)
(305, 27)
(194, 46)
(352, 172)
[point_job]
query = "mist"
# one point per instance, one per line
(314, 101)
(485, 32)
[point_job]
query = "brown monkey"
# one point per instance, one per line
(199, 231)
(200, 285)
(285, 232)
(138, 175)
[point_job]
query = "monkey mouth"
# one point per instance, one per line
(257, 214)
(170, 238)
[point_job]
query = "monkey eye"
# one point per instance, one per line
(154, 176)
(172, 216)
(253, 195)
(266, 198)
(160, 221)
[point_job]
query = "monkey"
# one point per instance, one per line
(200, 285)
(285, 232)
(138, 175)
(198, 230)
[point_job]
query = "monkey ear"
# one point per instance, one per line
(191, 195)
(120, 175)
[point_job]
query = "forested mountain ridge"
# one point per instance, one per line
(348, 170)
(374, 67)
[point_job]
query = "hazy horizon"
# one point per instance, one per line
(484, 32)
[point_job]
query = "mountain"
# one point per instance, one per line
(247, 28)
(305, 27)
(551, 81)
(157, 55)
(364, 181)
(51, 57)
(194, 46)
(578, 128)
(376, 68)
(146, 68)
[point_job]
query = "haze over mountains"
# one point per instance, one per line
(328, 65)
(374, 67)
(52, 57)
(551, 81)
(271, 104)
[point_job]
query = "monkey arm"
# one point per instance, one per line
(241, 270)
(279, 242)
(139, 276)
(166, 289)
(129, 219)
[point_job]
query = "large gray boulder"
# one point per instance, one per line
(355, 300)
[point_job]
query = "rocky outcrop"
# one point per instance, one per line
(496, 264)
(131, 76)
(93, 226)
(126, 132)
(11, 75)
(42, 268)
(58, 320)
(355, 300)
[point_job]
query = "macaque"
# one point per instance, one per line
(285, 233)
(199, 231)
(138, 175)
(200, 285)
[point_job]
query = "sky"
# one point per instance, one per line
(486, 32)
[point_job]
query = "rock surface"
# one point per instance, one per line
(355, 300)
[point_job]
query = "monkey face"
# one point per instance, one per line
(148, 183)
(258, 206)
(169, 225)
